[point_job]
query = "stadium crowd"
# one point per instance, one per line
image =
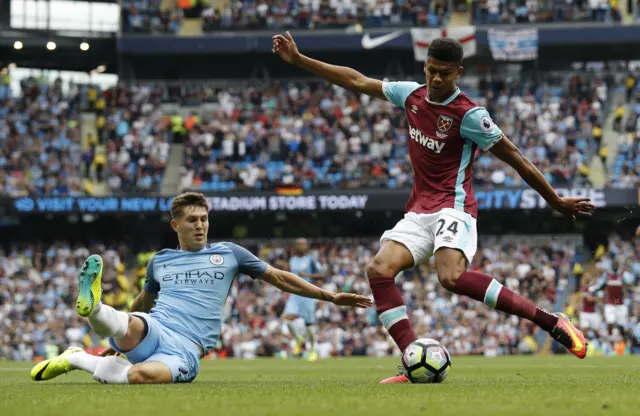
(626, 171)
(297, 134)
(136, 136)
(39, 141)
(312, 135)
(166, 16)
(47, 147)
(38, 286)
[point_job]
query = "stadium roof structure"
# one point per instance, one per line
(50, 37)
(67, 54)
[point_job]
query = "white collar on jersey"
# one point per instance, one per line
(445, 102)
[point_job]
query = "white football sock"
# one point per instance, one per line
(108, 322)
(112, 370)
(311, 338)
(300, 327)
(292, 329)
(83, 361)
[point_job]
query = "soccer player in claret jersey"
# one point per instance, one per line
(445, 129)
(614, 281)
(176, 318)
(589, 315)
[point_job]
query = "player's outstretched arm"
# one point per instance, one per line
(506, 151)
(289, 282)
(285, 47)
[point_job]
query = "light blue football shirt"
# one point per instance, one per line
(304, 264)
(398, 91)
(192, 288)
(476, 124)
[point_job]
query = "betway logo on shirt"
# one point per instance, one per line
(428, 142)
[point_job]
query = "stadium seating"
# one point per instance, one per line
(137, 138)
(269, 138)
(625, 170)
(68, 141)
(40, 141)
(169, 16)
(553, 125)
(38, 282)
(496, 11)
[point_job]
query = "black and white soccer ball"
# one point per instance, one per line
(426, 361)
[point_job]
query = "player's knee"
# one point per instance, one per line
(378, 268)
(449, 266)
(141, 375)
(136, 331)
(448, 275)
(135, 325)
(448, 280)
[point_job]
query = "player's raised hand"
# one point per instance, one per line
(285, 48)
(575, 207)
(351, 299)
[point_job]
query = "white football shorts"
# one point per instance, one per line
(424, 234)
(590, 320)
(616, 314)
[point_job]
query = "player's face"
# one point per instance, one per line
(302, 247)
(441, 78)
(192, 228)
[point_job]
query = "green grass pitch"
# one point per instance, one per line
(476, 386)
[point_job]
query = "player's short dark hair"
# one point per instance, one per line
(447, 50)
(187, 199)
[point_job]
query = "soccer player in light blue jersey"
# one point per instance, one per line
(176, 318)
(299, 312)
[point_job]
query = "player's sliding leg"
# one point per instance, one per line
(127, 331)
(48, 369)
(76, 359)
(392, 258)
(105, 370)
(451, 265)
(117, 370)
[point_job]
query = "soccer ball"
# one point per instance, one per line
(426, 361)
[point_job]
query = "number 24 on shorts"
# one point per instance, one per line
(453, 227)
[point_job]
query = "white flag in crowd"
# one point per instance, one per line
(421, 38)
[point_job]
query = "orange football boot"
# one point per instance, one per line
(568, 335)
(398, 378)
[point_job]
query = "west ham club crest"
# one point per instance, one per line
(444, 123)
